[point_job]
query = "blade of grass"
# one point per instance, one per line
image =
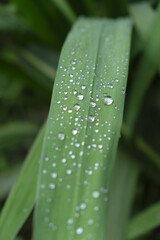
(142, 15)
(15, 132)
(7, 179)
(144, 74)
(66, 9)
(144, 147)
(22, 197)
(9, 20)
(37, 21)
(121, 196)
(39, 64)
(144, 221)
(82, 132)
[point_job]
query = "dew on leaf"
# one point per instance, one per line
(91, 119)
(80, 96)
(79, 230)
(76, 107)
(107, 100)
(61, 136)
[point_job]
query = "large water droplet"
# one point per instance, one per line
(76, 107)
(61, 136)
(80, 96)
(107, 100)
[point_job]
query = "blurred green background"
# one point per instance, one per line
(31, 37)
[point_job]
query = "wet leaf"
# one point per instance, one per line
(82, 131)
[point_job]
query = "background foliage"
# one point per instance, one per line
(31, 38)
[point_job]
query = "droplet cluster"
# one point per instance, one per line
(81, 127)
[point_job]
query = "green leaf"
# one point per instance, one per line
(66, 9)
(14, 132)
(9, 20)
(7, 179)
(82, 131)
(147, 68)
(22, 197)
(144, 221)
(142, 15)
(121, 196)
(37, 20)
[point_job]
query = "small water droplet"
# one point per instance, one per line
(74, 131)
(109, 85)
(76, 107)
(80, 96)
(123, 90)
(91, 119)
(54, 175)
(82, 206)
(74, 92)
(92, 104)
(79, 230)
(61, 136)
(63, 160)
(95, 194)
(107, 100)
(69, 171)
(52, 186)
(70, 221)
(83, 87)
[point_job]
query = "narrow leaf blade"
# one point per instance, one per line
(22, 197)
(144, 221)
(82, 132)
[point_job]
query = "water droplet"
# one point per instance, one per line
(123, 90)
(54, 175)
(92, 104)
(91, 119)
(83, 87)
(79, 230)
(70, 221)
(76, 107)
(52, 186)
(63, 160)
(109, 85)
(95, 194)
(80, 96)
(82, 206)
(74, 131)
(90, 221)
(74, 92)
(61, 136)
(69, 171)
(107, 100)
